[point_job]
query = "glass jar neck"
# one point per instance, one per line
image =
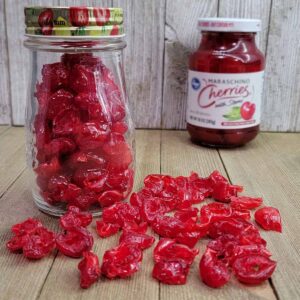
(212, 39)
(73, 45)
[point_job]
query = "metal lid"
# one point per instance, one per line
(229, 25)
(75, 22)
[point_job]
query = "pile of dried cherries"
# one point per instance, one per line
(167, 205)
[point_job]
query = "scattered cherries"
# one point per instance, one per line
(165, 204)
(82, 155)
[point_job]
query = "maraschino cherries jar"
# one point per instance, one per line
(225, 83)
(79, 130)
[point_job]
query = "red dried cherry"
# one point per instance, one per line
(121, 261)
(89, 269)
(169, 250)
(92, 135)
(38, 243)
(106, 229)
(268, 218)
(152, 208)
(55, 76)
(74, 242)
(230, 226)
(214, 211)
(213, 272)
(171, 272)
(59, 101)
(74, 218)
(82, 79)
(253, 269)
(59, 146)
(66, 123)
(109, 198)
(26, 227)
(143, 241)
(244, 202)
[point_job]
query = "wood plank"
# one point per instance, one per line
(63, 280)
(12, 156)
(23, 279)
(4, 70)
(144, 28)
(249, 9)
(180, 157)
(181, 38)
(282, 90)
(3, 128)
(19, 56)
(270, 167)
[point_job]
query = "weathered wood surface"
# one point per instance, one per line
(5, 117)
(268, 167)
(160, 36)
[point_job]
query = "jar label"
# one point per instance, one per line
(224, 101)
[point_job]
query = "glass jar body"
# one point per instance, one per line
(226, 53)
(80, 136)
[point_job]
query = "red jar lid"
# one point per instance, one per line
(229, 25)
(74, 21)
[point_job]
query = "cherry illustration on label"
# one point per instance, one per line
(247, 110)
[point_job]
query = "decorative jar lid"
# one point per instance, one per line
(74, 21)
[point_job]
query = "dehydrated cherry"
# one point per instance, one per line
(74, 242)
(188, 214)
(55, 76)
(269, 218)
(38, 243)
(121, 261)
(253, 269)
(66, 123)
(106, 229)
(214, 211)
(244, 202)
(169, 250)
(230, 226)
(59, 101)
(92, 135)
(143, 241)
(26, 227)
(82, 79)
(151, 208)
(213, 272)
(48, 169)
(133, 226)
(59, 146)
(109, 198)
(89, 269)
(74, 218)
(167, 226)
(171, 272)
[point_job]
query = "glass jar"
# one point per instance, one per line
(225, 83)
(80, 141)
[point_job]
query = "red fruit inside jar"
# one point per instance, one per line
(247, 110)
(83, 155)
(79, 16)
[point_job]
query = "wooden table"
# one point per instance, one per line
(268, 167)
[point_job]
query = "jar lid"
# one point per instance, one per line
(229, 25)
(75, 22)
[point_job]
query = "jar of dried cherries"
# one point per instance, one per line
(79, 130)
(225, 83)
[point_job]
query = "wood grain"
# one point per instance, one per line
(4, 70)
(179, 157)
(3, 128)
(12, 156)
(181, 38)
(144, 27)
(270, 167)
(256, 9)
(64, 277)
(282, 90)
